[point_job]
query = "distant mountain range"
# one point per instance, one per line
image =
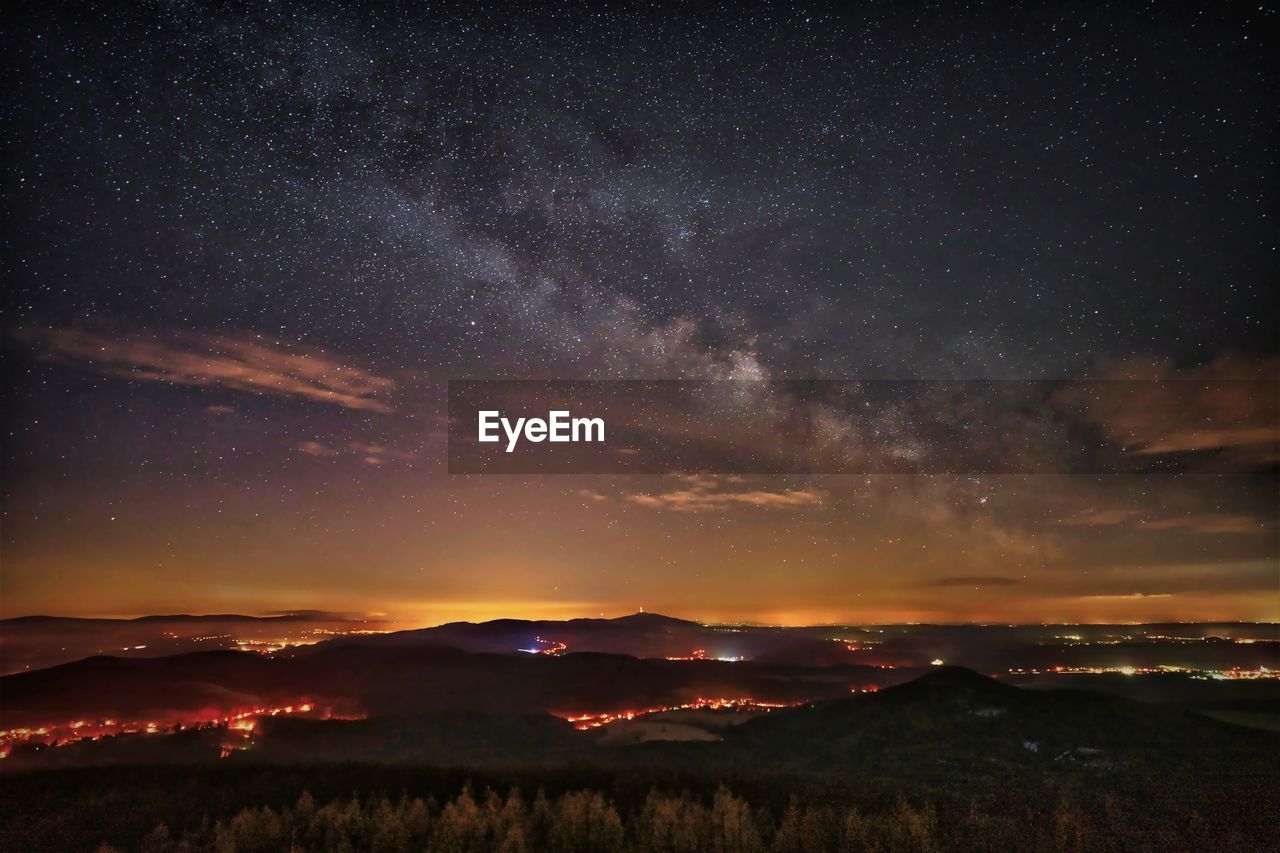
(444, 707)
(646, 635)
(597, 702)
(37, 642)
(303, 616)
(635, 663)
(391, 675)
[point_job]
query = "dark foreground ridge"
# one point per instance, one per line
(443, 738)
(952, 760)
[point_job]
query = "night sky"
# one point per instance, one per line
(245, 249)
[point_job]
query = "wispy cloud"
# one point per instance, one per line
(1196, 522)
(380, 450)
(370, 454)
(316, 448)
(1210, 523)
(1232, 404)
(240, 362)
(701, 493)
(1100, 518)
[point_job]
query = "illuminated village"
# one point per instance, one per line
(1233, 674)
(239, 727)
(584, 722)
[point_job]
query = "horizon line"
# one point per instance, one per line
(326, 616)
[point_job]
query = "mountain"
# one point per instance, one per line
(642, 635)
(953, 723)
(654, 620)
(950, 726)
(395, 679)
(29, 643)
(36, 642)
(187, 687)
(300, 616)
(951, 761)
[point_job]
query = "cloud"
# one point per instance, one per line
(1152, 408)
(370, 454)
(316, 448)
(702, 493)
(1100, 518)
(1197, 522)
(240, 362)
(976, 580)
(687, 500)
(1209, 523)
(381, 452)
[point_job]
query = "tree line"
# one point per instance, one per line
(587, 821)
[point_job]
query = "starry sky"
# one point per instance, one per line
(246, 246)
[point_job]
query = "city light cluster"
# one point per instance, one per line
(310, 637)
(546, 647)
(1235, 673)
(244, 723)
(583, 722)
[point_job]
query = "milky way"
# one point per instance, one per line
(245, 249)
